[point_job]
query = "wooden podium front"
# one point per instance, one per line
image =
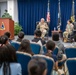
(7, 25)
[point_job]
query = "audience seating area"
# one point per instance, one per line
(70, 52)
(71, 64)
(50, 62)
(23, 59)
(35, 48)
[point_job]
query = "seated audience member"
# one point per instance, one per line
(37, 66)
(68, 31)
(4, 39)
(20, 36)
(61, 56)
(25, 47)
(8, 61)
(50, 45)
(37, 37)
(59, 44)
(8, 35)
(43, 27)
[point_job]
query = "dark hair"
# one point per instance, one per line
(70, 21)
(7, 56)
(38, 33)
(25, 46)
(75, 37)
(50, 45)
(55, 37)
(7, 34)
(21, 35)
(3, 39)
(37, 66)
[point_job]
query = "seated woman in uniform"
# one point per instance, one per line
(68, 31)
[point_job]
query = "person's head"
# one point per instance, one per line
(21, 35)
(7, 53)
(37, 33)
(25, 46)
(55, 37)
(7, 56)
(7, 34)
(4, 39)
(75, 37)
(50, 45)
(37, 66)
(69, 21)
(42, 20)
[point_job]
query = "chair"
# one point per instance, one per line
(50, 62)
(16, 45)
(23, 59)
(70, 52)
(71, 65)
(55, 50)
(44, 49)
(35, 48)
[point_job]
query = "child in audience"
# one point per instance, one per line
(37, 66)
(50, 45)
(37, 37)
(59, 44)
(8, 35)
(4, 39)
(20, 36)
(25, 47)
(8, 61)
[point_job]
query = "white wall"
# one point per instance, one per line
(11, 6)
(12, 9)
(3, 6)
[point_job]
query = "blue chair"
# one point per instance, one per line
(23, 59)
(55, 50)
(15, 45)
(44, 49)
(71, 65)
(50, 62)
(35, 48)
(70, 52)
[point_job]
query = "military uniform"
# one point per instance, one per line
(69, 29)
(43, 28)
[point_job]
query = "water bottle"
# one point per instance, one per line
(54, 29)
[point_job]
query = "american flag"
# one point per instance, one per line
(48, 12)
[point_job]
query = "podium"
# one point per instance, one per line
(58, 32)
(7, 25)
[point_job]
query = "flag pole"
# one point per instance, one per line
(48, 15)
(59, 16)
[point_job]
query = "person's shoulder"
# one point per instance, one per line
(15, 64)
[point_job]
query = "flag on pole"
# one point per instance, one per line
(48, 12)
(59, 16)
(73, 12)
